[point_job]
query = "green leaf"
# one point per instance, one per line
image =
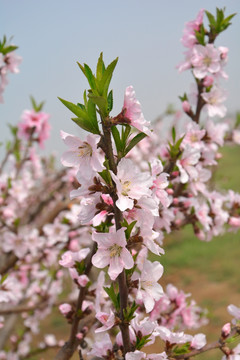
(142, 341)
(105, 174)
(113, 296)
(117, 139)
(35, 106)
(81, 67)
(184, 97)
(106, 78)
(220, 15)
(135, 141)
(101, 102)
(128, 313)
(75, 109)
(80, 267)
(13, 129)
(8, 49)
(129, 227)
(3, 278)
(100, 67)
(81, 106)
(85, 98)
(110, 101)
(91, 109)
(211, 19)
(178, 143)
(85, 125)
(91, 78)
(126, 129)
(173, 134)
(16, 222)
(179, 350)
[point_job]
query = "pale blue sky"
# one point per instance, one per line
(53, 34)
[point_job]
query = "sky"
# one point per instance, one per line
(53, 35)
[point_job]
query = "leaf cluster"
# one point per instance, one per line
(5, 48)
(218, 23)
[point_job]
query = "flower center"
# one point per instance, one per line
(85, 150)
(126, 187)
(115, 250)
(207, 61)
(193, 138)
(147, 283)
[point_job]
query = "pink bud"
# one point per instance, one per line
(218, 156)
(186, 106)
(200, 235)
(83, 280)
(178, 222)
(72, 233)
(234, 221)
(65, 308)
(175, 201)
(226, 329)
(169, 191)
(208, 81)
(79, 336)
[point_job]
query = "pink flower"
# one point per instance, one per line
(12, 61)
(214, 99)
(186, 106)
(149, 290)
(65, 308)
(108, 321)
(131, 184)
(112, 251)
(100, 347)
(189, 37)
(205, 59)
(82, 154)
(34, 122)
(198, 341)
(226, 329)
(234, 311)
(234, 221)
(190, 157)
(133, 111)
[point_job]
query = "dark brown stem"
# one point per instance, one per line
(200, 102)
(122, 281)
(208, 347)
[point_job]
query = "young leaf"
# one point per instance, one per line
(75, 109)
(211, 19)
(100, 67)
(91, 109)
(173, 134)
(117, 138)
(126, 129)
(85, 125)
(107, 76)
(110, 101)
(129, 228)
(105, 174)
(89, 75)
(101, 102)
(114, 297)
(135, 141)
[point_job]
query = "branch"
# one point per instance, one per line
(70, 346)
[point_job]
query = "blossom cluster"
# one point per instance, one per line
(103, 219)
(9, 62)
